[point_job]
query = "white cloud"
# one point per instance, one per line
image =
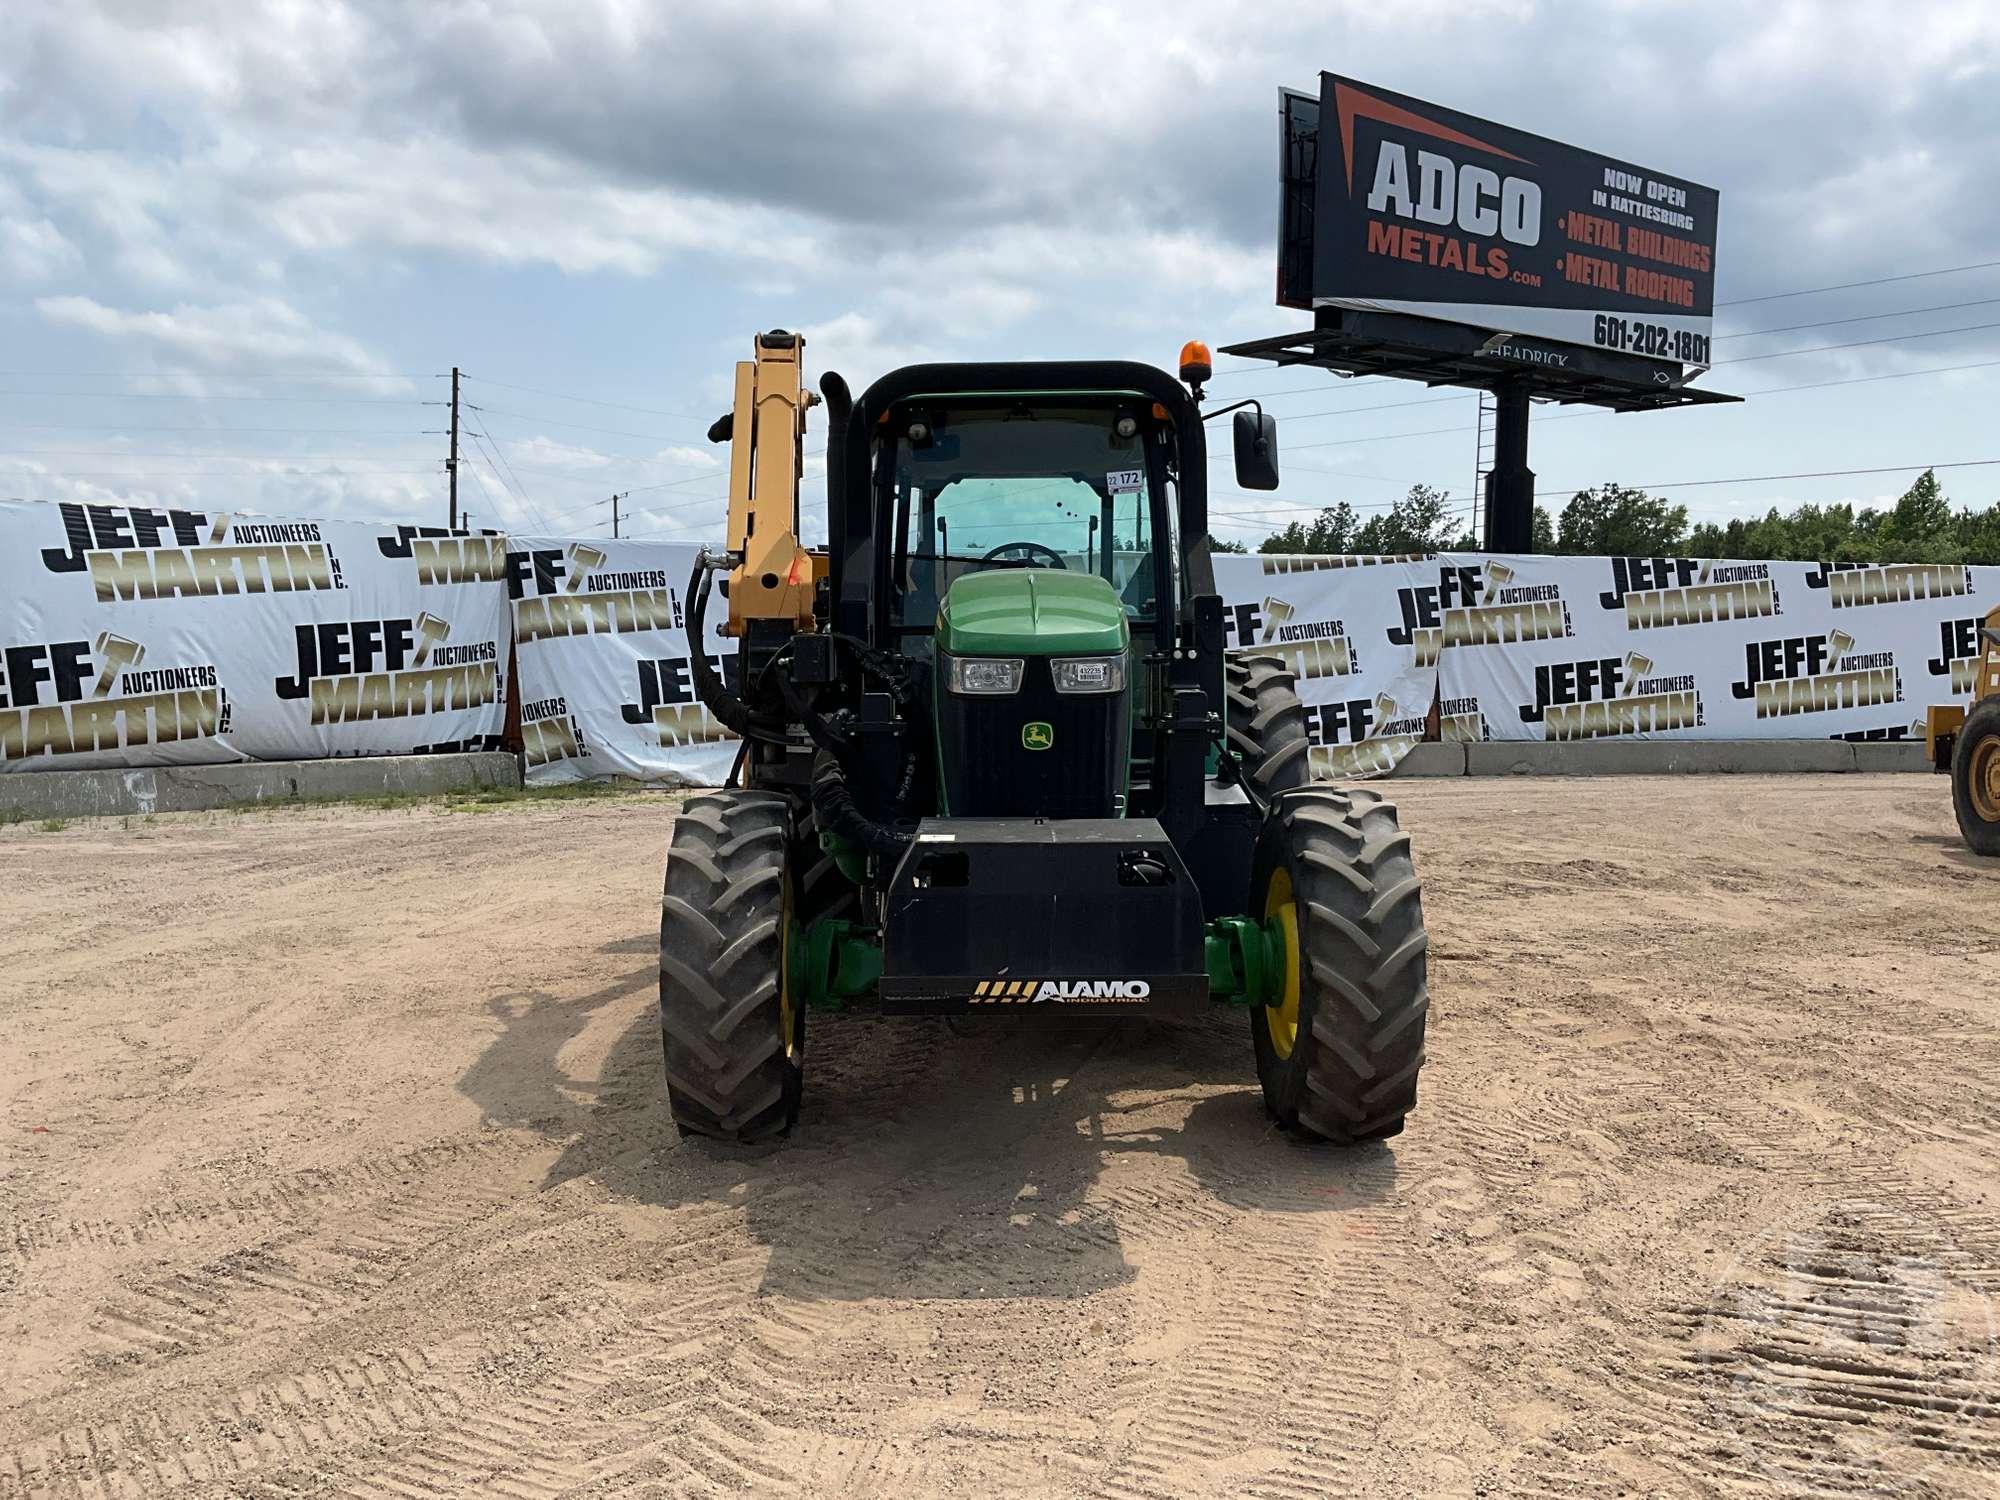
(262, 335)
(692, 458)
(358, 490)
(35, 250)
(227, 197)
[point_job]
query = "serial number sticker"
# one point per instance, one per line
(1125, 481)
(937, 838)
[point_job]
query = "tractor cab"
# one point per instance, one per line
(1061, 482)
(1028, 535)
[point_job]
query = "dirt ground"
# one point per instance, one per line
(335, 1163)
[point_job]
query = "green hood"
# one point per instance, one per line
(1031, 612)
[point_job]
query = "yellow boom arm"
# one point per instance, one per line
(772, 576)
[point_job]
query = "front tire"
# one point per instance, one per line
(1338, 1054)
(1975, 778)
(734, 1043)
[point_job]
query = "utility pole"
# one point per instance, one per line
(451, 464)
(614, 514)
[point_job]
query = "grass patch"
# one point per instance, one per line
(485, 799)
(467, 800)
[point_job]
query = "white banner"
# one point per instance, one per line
(1341, 623)
(606, 688)
(132, 636)
(1570, 648)
(601, 646)
(139, 637)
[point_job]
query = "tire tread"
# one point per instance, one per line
(728, 1075)
(1364, 965)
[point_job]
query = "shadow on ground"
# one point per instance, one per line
(1955, 849)
(933, 1159)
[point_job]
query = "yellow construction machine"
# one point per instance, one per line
(1965, 741)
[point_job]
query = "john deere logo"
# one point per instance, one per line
(1037, 735)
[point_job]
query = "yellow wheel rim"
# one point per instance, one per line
(1983, 776)
(1281, 1021)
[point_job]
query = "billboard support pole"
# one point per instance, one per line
(1510, 484)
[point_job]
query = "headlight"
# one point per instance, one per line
(1089, 674)
(985, 674)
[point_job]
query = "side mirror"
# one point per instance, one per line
(1256, 451)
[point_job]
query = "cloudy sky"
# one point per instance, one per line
(235, 257)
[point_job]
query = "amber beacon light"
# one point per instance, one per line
(1197, 365)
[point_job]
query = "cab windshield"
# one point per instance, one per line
(1014, 485)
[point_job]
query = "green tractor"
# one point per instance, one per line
(996, 759)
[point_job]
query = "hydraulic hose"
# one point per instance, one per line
(833, 801)
(730, 711)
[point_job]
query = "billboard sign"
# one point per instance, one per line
(1425, 211)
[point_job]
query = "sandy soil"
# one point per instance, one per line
(335, 1164)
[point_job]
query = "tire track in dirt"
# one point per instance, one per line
(1290, 1365)
(347, 1247)
(280, 1201)
(766, 1358)
(442, 1419)
(293, 1422)
(1849, 1347)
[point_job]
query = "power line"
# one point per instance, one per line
(651, 411)
(198, 375)
(218, 473)
(1820, 385)
(479, 454)
(188, 427)
(658, 437)
(1908, 312)
(674, 484)
(1259, 368)
(579, 510)
(1684, 484)
(485, 496)
(510, 482)
(1899, 338)
(1776, 390)
(611, 460)
(1848, 286)
(248, 458)
(206, 396)
(1350, 411)
(1386, 437)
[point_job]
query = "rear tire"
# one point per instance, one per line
(734, 1045)
(1339, 1056)
(1975, 778)
(1267, 723)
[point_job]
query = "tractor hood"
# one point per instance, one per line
(1031, 612)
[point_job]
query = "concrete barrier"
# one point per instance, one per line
(1891, 755)
(94, 794)
(1439, 759)
(1689, 757)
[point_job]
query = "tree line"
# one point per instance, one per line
(1616, 520)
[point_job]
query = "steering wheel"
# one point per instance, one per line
(1029, 553)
